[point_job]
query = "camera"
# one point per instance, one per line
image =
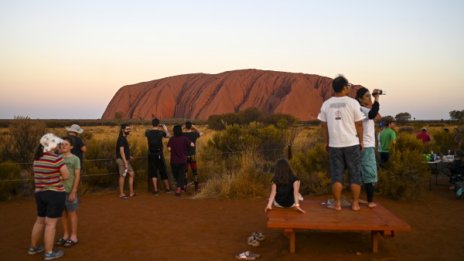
(379, 92)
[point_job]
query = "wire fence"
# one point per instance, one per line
(140, 166)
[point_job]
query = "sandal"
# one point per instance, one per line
(258, 235)
(70, 243)
(61, 242)
(247, 255)
(132, 195)
(123, 197)
(253, 241)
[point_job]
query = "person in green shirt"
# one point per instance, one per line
(69, 218)
(387, 139)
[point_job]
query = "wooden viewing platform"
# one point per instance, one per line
(378, 220)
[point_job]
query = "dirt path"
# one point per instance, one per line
(170, 228)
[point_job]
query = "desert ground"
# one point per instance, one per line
(166, 227)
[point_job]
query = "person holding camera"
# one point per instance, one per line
(155, 154)
(368, 162)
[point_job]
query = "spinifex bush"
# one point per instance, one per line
(311, 167)
(407, 173)
(247, 182)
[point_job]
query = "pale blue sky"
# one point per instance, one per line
(66, 59)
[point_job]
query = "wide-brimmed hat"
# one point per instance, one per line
(49, 141)
(75, 128)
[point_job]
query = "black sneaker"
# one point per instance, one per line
(35, 250)
(56, 253)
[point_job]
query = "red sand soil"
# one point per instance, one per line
(166, 227)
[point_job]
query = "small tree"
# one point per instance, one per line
(25, 135)
(403, 116)
(457, 115)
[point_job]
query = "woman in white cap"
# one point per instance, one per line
(49, 173)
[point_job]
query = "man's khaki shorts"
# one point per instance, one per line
(122, 168)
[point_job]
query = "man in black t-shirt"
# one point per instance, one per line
(155, 154)
(123, 161)
(193, 134)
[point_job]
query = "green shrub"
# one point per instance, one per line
(407, 174)
(444, 141)
(312, 167)
(11, 183)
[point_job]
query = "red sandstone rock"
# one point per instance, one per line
(197, 96)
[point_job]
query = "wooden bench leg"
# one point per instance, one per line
(375, 241)
(290, 233)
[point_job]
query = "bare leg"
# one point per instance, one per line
(49, 236)
(131, 184)
(337, 193)
(355, 190)
(64, 221)
(37, 231)
(155, 184)
(121, 185)
(166, 184)
(73, 220)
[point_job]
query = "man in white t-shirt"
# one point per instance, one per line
(342, 129)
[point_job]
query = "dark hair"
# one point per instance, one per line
(388, 120)
(177, 130)
(282, 173)
(360, 93)
(39, 152)
(338, 83)
(123, 127)
(188, 125)
(70, 139)
(155, 122)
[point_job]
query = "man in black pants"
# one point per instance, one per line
(155, 154)
(193, 134)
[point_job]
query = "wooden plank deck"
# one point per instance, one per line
(378, 220)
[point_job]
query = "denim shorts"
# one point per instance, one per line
(71, 206)
(345, 158)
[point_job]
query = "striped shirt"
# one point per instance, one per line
(47, 174)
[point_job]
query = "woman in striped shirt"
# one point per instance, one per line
(49, 173)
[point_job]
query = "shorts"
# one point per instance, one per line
(155, 164)
(346, 157)
(71, 206)
(50, 203)
(122, 168)
(368, 165)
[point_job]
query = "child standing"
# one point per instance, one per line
(285, 188)
(69, 218)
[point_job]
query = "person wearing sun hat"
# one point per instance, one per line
(49, 173)
(423, 135)
(79, 147)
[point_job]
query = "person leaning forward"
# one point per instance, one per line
(341, 120)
